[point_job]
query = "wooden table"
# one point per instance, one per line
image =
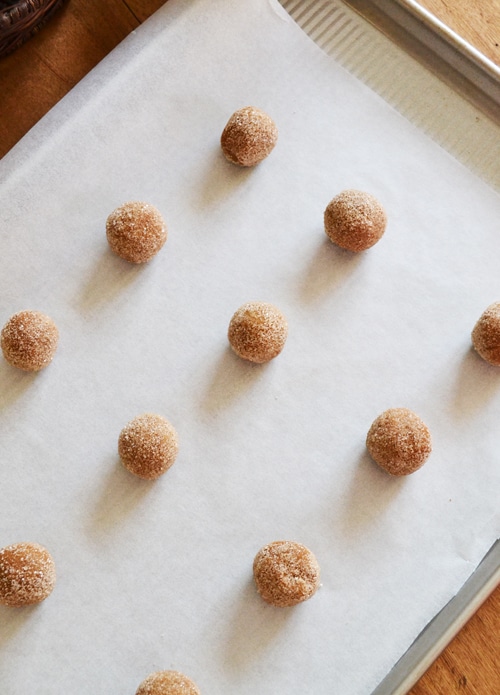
(42, 71)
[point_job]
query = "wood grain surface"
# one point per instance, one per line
(42, 71)
(477, 21)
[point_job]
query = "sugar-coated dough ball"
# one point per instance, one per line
(27, 574)
(136, 231)
(167, 683)
(257, 331)
(148, 446)
(29, 340)
(249, 136)
(355, 220)
(486, 335)
(286, 573)
(399, 441)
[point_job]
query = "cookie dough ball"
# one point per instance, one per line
(399, 441)
(249, 136)
(167, 683)
(355, 220)
(29, 340)
(148, 446)
(257, 332)
(285, 573)
(486, 335)
(27, 574)
(136, 231)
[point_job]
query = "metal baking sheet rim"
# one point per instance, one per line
(444, 627)
(440, 49)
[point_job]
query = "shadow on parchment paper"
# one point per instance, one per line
(12, 619)
(477, 383)
(252, 627)
(219, 180)
(109, 277)
(120, 494)
(327, 269)
(232, 377)
(14, 382)
(370, 493)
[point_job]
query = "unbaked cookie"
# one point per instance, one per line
(29, 340)
(136, 231)
(257, 332)
(167, 683)
(27, 574)
(148, 446)
(354, 220)
(286, 573)
(486, 335)
(399, 441)
(249, 137)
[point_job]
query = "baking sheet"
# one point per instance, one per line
(410, 75)
(159, 575)
(441, 630)
(442, 50)
(449, 103)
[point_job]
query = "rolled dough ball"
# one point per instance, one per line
(29, 340)
(486, 335)
(27, 574)
(148, 446)
(354, 220)
(257, 332)
(136, 231)
(399, 441)
(167, 683)
(286, 573)
(249, 137)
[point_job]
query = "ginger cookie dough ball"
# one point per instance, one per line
(27, 574)
(355, 220)
(399, 441)
(486, 335)
(285, 573)
(136, 231)
(29, 340)
(148, 446)
(167, 683)
(249, 136)
(257, 332)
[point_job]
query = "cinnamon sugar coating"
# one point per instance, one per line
(257, 332)
(286, 573)
(27, 574)
(29, 340)
(167, 683)
(136, 231)
(399, 441)
(148, 446)
(354, 220)
(248, 137)
(486, 335)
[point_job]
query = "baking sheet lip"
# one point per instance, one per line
(438, 48)
(437, 634)
(439, 27)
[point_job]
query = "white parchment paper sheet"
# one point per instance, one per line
(158, 575)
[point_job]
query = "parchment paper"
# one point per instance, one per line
(158, 575)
